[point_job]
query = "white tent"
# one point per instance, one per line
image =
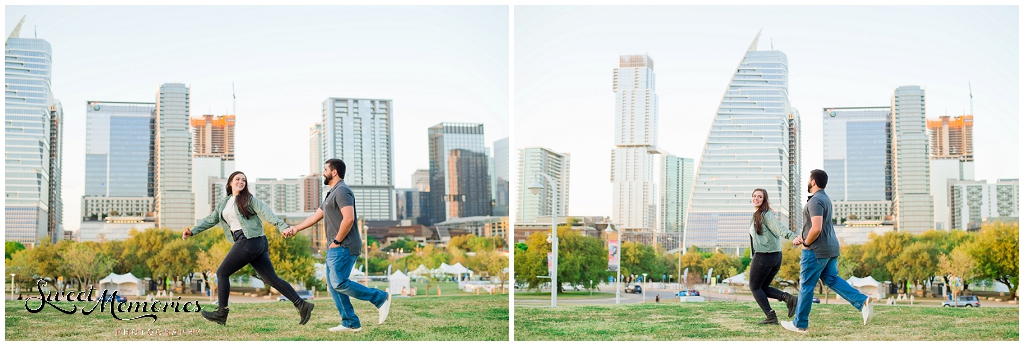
(356, 272)
(458, 268)
(739, 279)
(444, 268)
(868, 286)
(125, 285)
(421, 270)
(398, 282)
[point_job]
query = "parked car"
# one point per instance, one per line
(688, 293)
(304, 294)
(964, 301)
(816, 300)
(120, 298)
(634, 289)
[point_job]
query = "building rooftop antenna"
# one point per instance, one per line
(971, 92)
(232, 98)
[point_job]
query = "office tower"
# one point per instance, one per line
(748, 147)
(855, 145)
(675, 183)
(55, 224)
(972, 202)
(421, 180)
(117, 161)
(213, 157)
(533, 162)
(175, 202)
(358, 131)
(951, 144)
(413, 206)
(500, 177)
(459, 185)
(912, 201)
(28, 139)
(282, 196)
(316, 157)
(636, 135)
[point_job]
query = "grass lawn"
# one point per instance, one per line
(483, 317)
(565, 295)
(725, 321)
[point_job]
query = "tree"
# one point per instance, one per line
(405, 244)
(175, 260)
(851, 261)
(789, 272)
(916, 262)
(140, 247)
(997, 254)
(521, 246)
(10, 247)
(209, 260)
(638, 259)
(582, 260)
(958, 264)
(882, 249)
(721, 264)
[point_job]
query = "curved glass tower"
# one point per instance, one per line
(749, 146)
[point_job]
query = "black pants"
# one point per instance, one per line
(250, 251)
(763, 268)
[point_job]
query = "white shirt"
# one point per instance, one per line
(230, 215)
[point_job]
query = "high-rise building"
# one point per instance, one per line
(175, 201)
(282, 196)
(316, 156)
(28, 139)
(533, 162)
(413, 206)
(421, 180)
(311, 186)
(358, 131)
(55, 223)
(213, 157)
(636, 136)
(974, 201)
(912, 201)
(796, 222)
(855, 144)
(952, 159)
(748, 147)
(118, 154)
(500, 178)
(459, 183)
(675, 183)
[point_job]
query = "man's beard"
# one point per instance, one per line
(327, 180)
(808, 187)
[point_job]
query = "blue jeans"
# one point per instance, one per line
(339, 266)
(811, 269)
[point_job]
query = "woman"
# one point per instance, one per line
(766, 250)
(241, 216)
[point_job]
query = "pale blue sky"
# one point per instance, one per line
(838, 57)
(437, 63)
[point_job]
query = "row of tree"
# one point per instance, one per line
(899, 257)
(161, 253)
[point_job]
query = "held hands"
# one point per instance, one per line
(290, 231)
(186, 234)
(799, 240)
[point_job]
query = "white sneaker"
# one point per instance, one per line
(384, 310)
(341, 328)
(867, 311)
(791, 327)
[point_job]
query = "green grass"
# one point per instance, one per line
(564, 295)
(726, 321)
(483, 317)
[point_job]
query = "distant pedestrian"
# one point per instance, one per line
(657, 298)
(819, 257)
(766, 257)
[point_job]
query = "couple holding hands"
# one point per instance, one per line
(241, 216)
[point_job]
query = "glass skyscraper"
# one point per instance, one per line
(676, 183)
(912, 200)
(855, 144)
(748, 147)
(29, 113)
(358, 131)
(500, 178)
(459, 182)
(535, 161)
(175, 201)
(118, 150)
(636, 139)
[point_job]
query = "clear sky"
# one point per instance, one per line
(838, 57)
(438, 64)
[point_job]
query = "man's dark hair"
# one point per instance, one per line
(337, 165)
(819, 178)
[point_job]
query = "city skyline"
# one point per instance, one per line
(562, 54)
(415, 50)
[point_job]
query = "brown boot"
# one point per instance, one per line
(771, 319)
(790, 304)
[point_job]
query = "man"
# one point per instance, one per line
(819, 256)
(339, 209)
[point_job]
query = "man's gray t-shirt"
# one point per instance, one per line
(341, 196)
(826, 245)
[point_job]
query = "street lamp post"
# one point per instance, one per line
(12, 287)
(618, 269)
(536, 188)
(645, 287)
(366, 254)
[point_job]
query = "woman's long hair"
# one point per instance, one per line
(242, 200)
(759, 214)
